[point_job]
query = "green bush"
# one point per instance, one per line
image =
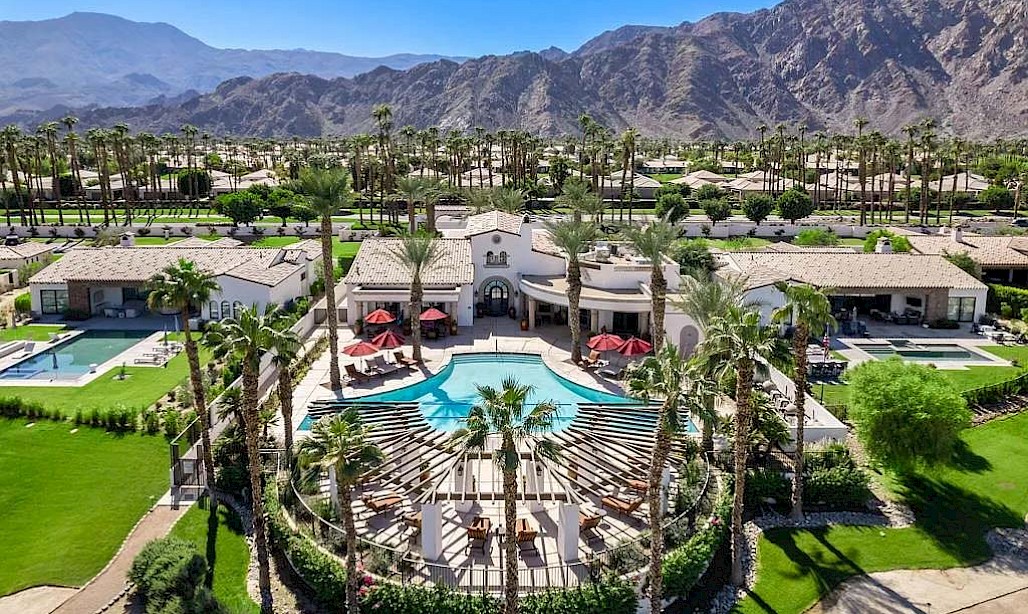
(757, 207)
(838, 488)
(189, 178)
(169, 577)
(899, 242)
(764, 484)
(794, 204)
(812, 237)
(671, 207)
(23, 303)
(1014, 298)
(684, 566)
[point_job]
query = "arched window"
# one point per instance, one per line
(214, 313)
(237, 307)
(226, 310)
(503, 258)
(490, 257)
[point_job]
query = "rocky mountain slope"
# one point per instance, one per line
(93, 58)
(821, 62)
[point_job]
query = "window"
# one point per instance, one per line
(226, 310)
(53, 301)
(503, 258)
(494, 259)
(214, 315)
(134, 294)
(237, 308)
(961, 309)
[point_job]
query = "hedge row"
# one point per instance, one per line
(684, 565)
(326, 577)
(118, 418)
(994, 393)
(999, 294)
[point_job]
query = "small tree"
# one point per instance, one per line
(716, 209)
(693, 256)
(240, 207)
(794, 204)
(671, 207)
(757, 207)
(906, 414)
(709, 192)
(280, 203)
(997, 198)
(963, 261)
(899, 242)
(814, 237)
(304, 213)
(190, 177)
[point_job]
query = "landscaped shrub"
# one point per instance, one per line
(684, 566)
(812, 237)
(169, 577)
(1015, 299)
(763, 485)
(23, 303)
(838, 488)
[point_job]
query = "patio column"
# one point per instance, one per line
(333, 488)
(644, 323)
(665, 488)
(431, 531)
(594, 320)
(531, 314)
(567, 532)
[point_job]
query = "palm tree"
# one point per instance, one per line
(502, 415)
(808, 309)
(628, 145)
(285, 350)
(49, 132)
(508, 200)
(246, 338)
(342, 444)
(183, 286)
(736, 340)
(663, 376)
(910, 130)
(416, 253)
(573, 238)
(328, 191)
(653, 241)
(414, 190)
(578, 196)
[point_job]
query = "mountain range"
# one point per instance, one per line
(819, 62)
(98, 59)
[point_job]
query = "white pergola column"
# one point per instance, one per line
(333, 488)
(665, 489)
(594, 320)
(431, 531)
(644, 323)
(531, 313)
(567, 532)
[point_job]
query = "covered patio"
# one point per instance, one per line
(619, 311)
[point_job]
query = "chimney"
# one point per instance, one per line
(128, 239)
(883, 246)
(958, 234)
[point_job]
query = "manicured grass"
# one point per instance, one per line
(157, 240)
(985, 486)
(664, 177)
(738, 243)
(274, 241)
(142, 388)
(852, 242)
(69, 499)
(223, 543)
(30, 332)
(346, 249)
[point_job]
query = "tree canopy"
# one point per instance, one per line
(240, 207)
(906, 414)
(757, 207)
(814, 237)
(717, 209)
(794, 204)
(899, 242)
(671, 207)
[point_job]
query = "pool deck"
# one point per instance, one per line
(972, 343)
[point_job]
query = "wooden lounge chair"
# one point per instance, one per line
(587, 525)
(379, 364)
(525, 534)
(403, 360)
(382, 502)
(638, 485)
(620, 506)
(354, 375)
(478, 531)
(593, 361)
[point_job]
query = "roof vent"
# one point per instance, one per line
(128, 239)
(957, 234)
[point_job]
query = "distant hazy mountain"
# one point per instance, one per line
(964, 62)
(91, 58)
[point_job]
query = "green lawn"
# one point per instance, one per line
(664, 177)
(142, 388)
(157, 240)
(985, 486)
(224, 542)
(339, 248)
(69, 499)
(275, 241)
(30, 332)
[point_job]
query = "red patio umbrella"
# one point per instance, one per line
(379, 316)
(432, 314)
(387, 340)
(604, 342)
(361, 348)
(635, 347)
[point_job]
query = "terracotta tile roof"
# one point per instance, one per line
(789, 247)
(1007, 252)
(27, 249)
(543, 243)
(493, 221)
(139, 264)
(872, 271)
(199, 242)
(376, 264)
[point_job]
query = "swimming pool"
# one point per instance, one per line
(70, 360)
(446, 397)
(923, 352)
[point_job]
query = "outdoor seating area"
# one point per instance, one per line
(376, 364)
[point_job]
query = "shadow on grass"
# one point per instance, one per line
(966, 459)
(212, 544)
(955, 518)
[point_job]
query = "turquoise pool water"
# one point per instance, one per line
(927, 352)
(446, 397)
(74, 357)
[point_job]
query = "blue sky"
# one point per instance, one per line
(381, 27)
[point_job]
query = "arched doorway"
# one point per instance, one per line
(688, 340)
(496, 297)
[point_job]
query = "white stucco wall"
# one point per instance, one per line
(980, 296)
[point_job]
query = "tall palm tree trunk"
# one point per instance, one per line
(260, 533)
(416, 297)
(653, 501)
(285, 397)
(743, 392)
(200, 401)
(352, 578)
(658, 301)
(800, 338)
(510, 546)
(574, 312)
(332, 319)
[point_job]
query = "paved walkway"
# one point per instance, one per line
(111, 581)
(35, 600)
(1000, 585)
